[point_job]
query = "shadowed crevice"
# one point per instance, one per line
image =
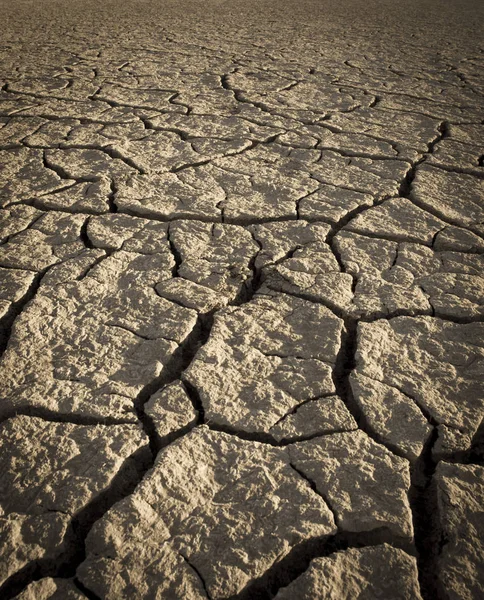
(297, 561)
(64, 565)
(15, 309)
(423, 503)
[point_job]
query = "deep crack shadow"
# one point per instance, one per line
(64, 565)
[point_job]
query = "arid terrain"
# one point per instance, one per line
(242, 300)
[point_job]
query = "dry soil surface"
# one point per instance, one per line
(242, 300)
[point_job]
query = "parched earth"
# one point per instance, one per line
(242, 300)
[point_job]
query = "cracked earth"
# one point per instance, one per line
(242, 300)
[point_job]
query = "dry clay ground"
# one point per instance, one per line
(242, 298)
